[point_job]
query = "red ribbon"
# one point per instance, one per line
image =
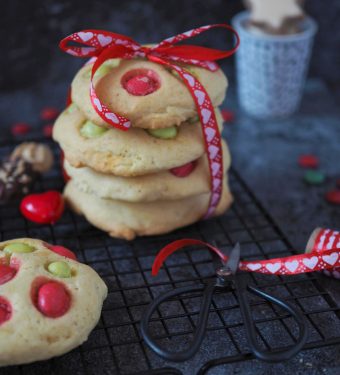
(326, 257)
(104, 45)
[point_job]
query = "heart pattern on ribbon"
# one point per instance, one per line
(326, 260)
(104, 45)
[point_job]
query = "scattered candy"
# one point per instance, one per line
(184, 170)
(227, 115)
(314, 177)
(140, 82)
(308, 161)
(18, 247)
(165, 133)
(48, 130)
(6, 273)
(66, 177)
(333, 197)
(49, 113)
(63, 251)
(91, 130)
(60, 269)
(53, 300)
(20, 128)
(45, 208)
(69, 99)
(5, 310)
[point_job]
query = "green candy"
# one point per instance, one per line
(166, 133)
(18, 248)
(90, 130)
(59, 269)
(71, 108)
(314, 177)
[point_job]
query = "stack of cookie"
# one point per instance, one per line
(154, 177)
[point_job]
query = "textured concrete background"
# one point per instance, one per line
(36, 73)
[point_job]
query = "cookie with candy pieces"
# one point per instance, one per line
(176, 183)
(130, 219)
(275, 16)
(49, 302)
(150, 95)
(132, 153)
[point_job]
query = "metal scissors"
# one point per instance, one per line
(227, 279)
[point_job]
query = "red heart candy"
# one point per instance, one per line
(53, 299)
(6, 273)
(63, 251)
(44, 208)
(184, 170)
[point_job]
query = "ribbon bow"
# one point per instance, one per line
(103, 45)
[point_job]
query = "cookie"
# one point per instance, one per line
(131, 153)
(148, 94)
(128, 220)
(49, 303)
(167, 185)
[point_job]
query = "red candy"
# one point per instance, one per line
(5, 310)
(69, 97)
(66, 177)
(184, 170)
(20, 128)
(333, 197)
(49, 113)
(63, 251)
(227, 115)
(6, 273)
(308, 161)
(47, 130)
(45, 208)
(140, 82)
(53, 299)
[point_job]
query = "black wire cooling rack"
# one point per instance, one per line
(115, 346)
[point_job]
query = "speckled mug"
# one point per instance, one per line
(271, 69)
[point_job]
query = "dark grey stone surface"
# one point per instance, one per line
(264, 153)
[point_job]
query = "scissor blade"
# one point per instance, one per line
(234, 258)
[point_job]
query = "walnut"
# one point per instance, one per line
(37, 154)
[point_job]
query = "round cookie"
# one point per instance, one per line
(131, 153)
(170, 102)
(157, 186)
(48, 305)
(128, 220)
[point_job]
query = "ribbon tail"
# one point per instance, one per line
(210, 131)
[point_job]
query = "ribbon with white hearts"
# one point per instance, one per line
(103, 45)
(327, 260)
(322, 240)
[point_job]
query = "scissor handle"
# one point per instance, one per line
(199, 332)
(279, 355)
